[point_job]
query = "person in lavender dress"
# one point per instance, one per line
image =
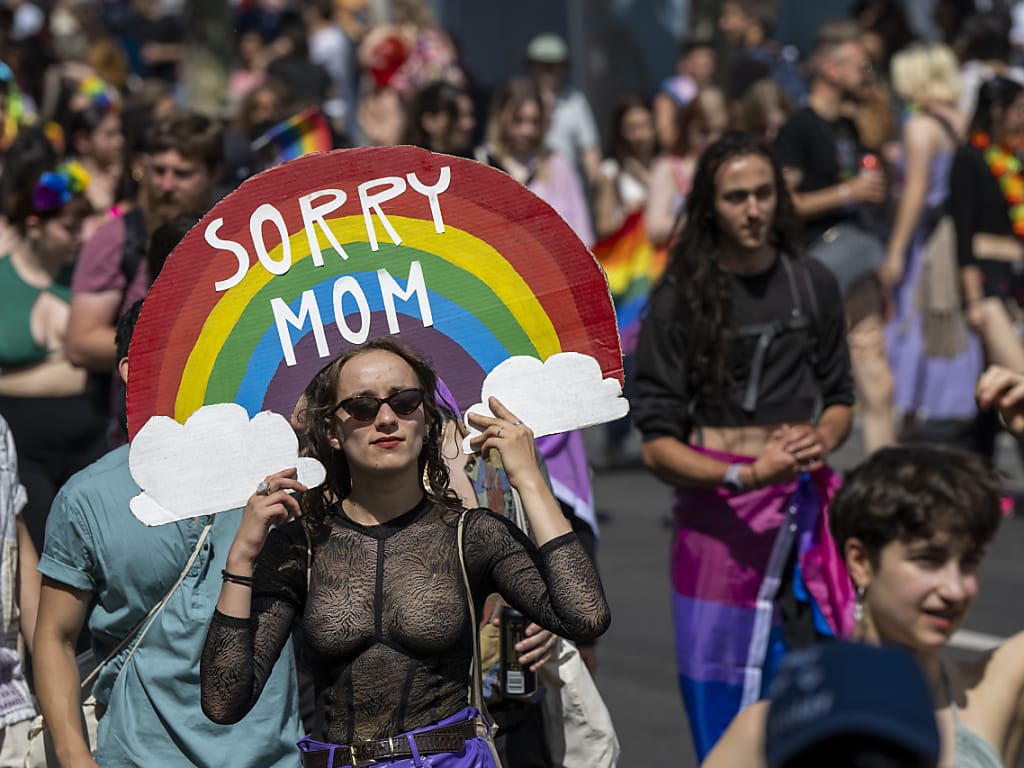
(934, 357)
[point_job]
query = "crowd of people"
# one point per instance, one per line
(826, 240)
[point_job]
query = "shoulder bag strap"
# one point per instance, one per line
(813, 329)
(309, 557)
(133, 252)
(148, 619)
(476, 692)
(947, 127)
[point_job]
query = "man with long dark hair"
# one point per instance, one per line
(743, 390)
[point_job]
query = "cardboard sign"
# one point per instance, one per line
(305, 260)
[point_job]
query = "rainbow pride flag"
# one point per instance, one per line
(632, 265)
(301, 134)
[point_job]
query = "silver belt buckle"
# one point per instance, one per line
(358, 762)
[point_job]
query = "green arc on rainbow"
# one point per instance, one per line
(507, 276)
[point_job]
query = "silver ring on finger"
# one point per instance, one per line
(517, 423)
(263, 489)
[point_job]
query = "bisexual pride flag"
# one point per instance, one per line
(730, 555)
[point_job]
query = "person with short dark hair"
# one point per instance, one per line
(164, 240)
(835, 182)
(183, 156)
(441, 118)
(181, 165)
(912, 523)
(743, 390)
(103, 568)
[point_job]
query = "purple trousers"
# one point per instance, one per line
(475, 754)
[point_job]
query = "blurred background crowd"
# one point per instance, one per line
(601, 107)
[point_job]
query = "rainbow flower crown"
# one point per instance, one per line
(56, 188)
(99, 94)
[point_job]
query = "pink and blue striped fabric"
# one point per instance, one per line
(728, 558)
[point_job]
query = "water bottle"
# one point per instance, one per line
(873, 214)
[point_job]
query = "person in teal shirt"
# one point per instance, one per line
(98, 557)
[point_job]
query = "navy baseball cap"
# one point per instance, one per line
(840, 689)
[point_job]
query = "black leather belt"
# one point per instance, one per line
(449, 738)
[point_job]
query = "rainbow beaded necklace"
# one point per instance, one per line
(1006, 167)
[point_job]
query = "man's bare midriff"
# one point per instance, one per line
(745, 441)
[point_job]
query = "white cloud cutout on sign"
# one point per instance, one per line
(212, 463)
(564, 392)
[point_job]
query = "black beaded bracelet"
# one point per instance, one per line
(234, 578)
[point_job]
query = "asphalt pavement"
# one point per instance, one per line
(636, 672)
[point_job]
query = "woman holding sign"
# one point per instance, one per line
(374, 571)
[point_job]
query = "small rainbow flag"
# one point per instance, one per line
(632, 265)
(299, 135)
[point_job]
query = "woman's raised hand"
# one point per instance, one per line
(1003, 390)
(506, 434)
(512, 439)
(271, 504)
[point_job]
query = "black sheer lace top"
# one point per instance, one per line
(385, 624)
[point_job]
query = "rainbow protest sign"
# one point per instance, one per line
(327, 251)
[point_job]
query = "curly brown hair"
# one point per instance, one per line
(321, 401)
(916, 491)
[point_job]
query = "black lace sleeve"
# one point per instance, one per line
(555, 586)
(240, 654)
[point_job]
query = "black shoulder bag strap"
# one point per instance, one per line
(135, 244)
(766, 333)
(947, 127)
(933, 214)
(813, 317)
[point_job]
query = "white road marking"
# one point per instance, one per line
(968, 640)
